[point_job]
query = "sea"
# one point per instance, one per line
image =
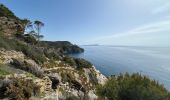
(153, 62)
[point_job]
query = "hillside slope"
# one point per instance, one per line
(42, 71)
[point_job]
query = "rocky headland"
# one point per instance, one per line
(41, 70)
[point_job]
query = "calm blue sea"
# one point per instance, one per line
(112, 60)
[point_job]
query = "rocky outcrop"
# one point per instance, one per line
(91, 95)
(20, 61)
(95, 75)
(100, 77)
(10, 26)
(57, 82)
(6, 56)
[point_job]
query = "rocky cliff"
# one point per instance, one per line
(42, 72)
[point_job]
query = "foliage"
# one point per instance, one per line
(77, 62)
(53, 55)
(18, 89)
(3, 71)
(66, 77)
(64, 46)
(5, 12)
(82, 63)
(72, 98)
(27, 24)
(36, 70)
(38, 25)
(30, 51)
(28, 38)
(69, 60)
(133, 87)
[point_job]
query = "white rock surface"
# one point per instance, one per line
(100, 77)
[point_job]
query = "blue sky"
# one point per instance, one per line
(111, 22)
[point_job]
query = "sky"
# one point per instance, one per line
(106, 22)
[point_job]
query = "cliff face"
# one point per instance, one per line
(42, 71)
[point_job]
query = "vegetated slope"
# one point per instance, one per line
(29, 69)
(132, 87)
(9, 23)
(65, 46)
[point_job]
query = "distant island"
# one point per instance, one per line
(91, 45)
(32, 69)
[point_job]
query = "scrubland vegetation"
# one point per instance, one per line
(17, 89)
(133, 87)
(122, 87)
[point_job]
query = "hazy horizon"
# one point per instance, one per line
(111, 22)
(124, 45)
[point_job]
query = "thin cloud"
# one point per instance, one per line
(146, 29)
(161, 9)
(155, 27)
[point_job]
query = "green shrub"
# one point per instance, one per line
(72, 98)
(52, 54)
(30, 51)
(69, 60)
(5, 12)
(65, 77)
(77, 62)
(28, 38)
(82, 63)
(133, 87)
(36, 70)
(17, 89)
(3, 42)
(3, 71)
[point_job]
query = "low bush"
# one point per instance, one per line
(72, 98)
(5, 12)
(3, 71)
(17, 89)
(132, 87)
(52, 53)
(70, 61)
(28, 38)
(30, 51)
(36, 70)
(82, 63)
(77, 62)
